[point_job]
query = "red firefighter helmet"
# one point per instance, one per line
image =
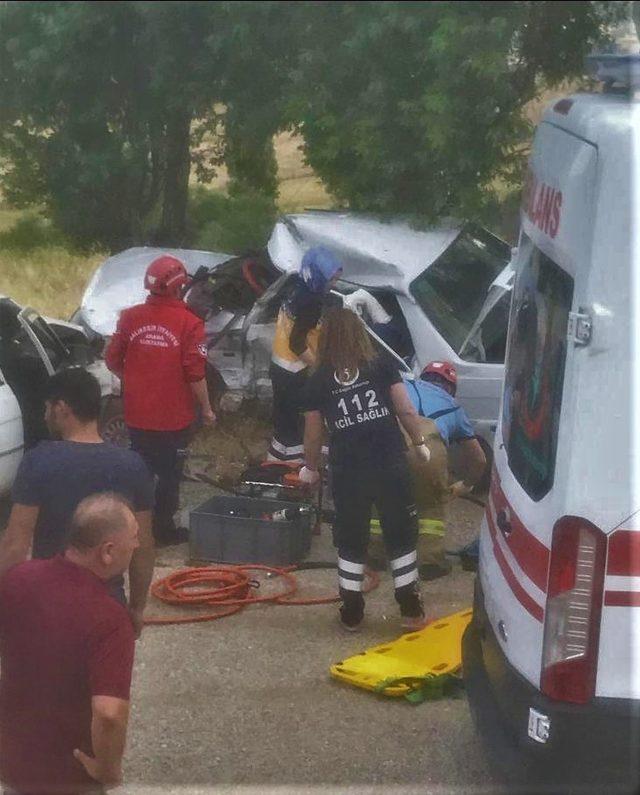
(444, 370)
(166, 276)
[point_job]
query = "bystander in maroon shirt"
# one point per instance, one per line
(63, 640)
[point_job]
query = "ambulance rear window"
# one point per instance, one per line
(534, 373)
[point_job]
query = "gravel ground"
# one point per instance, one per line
(245, 704)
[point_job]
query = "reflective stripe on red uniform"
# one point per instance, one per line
(158, 350)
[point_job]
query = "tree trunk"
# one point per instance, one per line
(173, 227)
(250, 155)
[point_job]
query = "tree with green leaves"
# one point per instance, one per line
(104, 105)
(416, 108)
(404, 107)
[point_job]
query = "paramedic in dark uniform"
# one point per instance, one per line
(159, 353)
(444, 423)
(294, 349)
(360, 396)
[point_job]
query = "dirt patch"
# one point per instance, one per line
(238, 440)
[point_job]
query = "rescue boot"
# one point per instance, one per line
(351, 611)
(432, 560)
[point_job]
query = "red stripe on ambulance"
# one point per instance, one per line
(622, 599)
(624, 553)
(531, 554)
(529, 604)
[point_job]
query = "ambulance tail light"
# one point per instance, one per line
(572, 615)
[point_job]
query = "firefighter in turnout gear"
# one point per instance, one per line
(360, 396)
(159, 353)
(444, 423)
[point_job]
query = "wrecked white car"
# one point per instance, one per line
(447, 290)
(31, 349)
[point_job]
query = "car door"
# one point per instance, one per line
(11, 436)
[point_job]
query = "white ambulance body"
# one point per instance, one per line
(552, 657)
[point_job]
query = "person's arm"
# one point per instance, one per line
(18, 536)
(141, 571)
(406, 413)
(474, 460)
(307, 319)
(110, 647)
(313, 431)
(109, 719)
(200, 393)
(116, 351)
(194, 360)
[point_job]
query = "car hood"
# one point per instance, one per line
(374, 253)
(119, 283)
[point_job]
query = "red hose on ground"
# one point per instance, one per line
(229, 589)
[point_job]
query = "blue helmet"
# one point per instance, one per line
(319, 266)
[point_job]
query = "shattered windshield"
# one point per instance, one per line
(452, 291)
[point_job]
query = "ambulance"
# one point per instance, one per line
(551, 658)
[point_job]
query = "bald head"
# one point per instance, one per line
(97, 518)
(103, 534)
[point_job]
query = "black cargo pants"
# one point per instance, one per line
(355, 490)
(164, 452)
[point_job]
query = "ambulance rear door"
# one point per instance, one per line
(528, 488)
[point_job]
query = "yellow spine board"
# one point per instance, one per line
(436, 649)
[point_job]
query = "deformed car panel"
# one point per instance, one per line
(119, 283)
(239, 297)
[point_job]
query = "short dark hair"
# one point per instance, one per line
(79, 389)
(96, 518)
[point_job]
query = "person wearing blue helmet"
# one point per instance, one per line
(294, 349)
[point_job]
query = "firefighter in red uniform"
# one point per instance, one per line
(159, 353)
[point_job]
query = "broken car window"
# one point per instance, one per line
(452, 291)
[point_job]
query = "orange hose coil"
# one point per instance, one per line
(230, 589)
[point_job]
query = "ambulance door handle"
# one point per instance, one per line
(504, 525)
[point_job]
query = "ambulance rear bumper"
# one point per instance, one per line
(588, 746)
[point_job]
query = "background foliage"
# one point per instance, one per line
(108, 109)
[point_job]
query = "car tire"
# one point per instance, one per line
(112, 425)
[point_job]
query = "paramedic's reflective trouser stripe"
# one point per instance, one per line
(404, 568)
(350, 575)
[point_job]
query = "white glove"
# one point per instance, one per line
(309, 476)
(423, 453)
(362, 300)
(459, 489)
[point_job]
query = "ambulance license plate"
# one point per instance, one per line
(539, 726)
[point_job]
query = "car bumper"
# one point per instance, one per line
(588, 746)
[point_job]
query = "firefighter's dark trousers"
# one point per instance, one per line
(355, 492)
(164, 453)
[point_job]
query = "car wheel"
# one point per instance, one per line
(112, 425)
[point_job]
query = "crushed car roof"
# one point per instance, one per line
(119, 282)
(374, 253)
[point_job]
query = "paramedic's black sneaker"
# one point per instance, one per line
(414, 624)
(350, 624)
(351, 612)
(433, 571)
(411, 607)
